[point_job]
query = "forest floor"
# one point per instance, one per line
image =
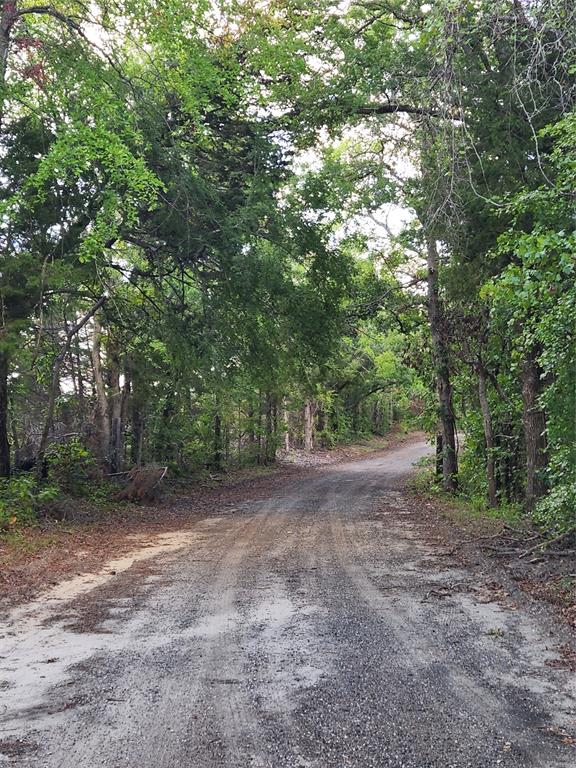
(321, 616)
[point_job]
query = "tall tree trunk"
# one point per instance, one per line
(137, 423)
(488, 435)
(7, 18)
(4, 441)
(72, 361)
(251, 434)
(269, 441)
(8, 15)
(308, 425)
(534, 422)
(115, 404)
(441, 364)
(101, 407)
(134, 407)
(217, 450)
(439, 456)
(55, 382)
(320, 419)
(15, 439)
(227, 443)
(164, 447)
(259, 435)
(125, 407)
(239, 434)
(511, 461)
(80, 379)
(286, 422)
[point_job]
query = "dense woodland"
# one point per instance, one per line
(232, 228)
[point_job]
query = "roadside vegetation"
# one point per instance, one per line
(232, 230)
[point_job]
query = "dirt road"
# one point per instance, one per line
(317, 628)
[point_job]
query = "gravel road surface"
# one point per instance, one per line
(321, 627)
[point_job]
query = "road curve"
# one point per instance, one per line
(316, 628)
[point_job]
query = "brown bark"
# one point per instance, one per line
(534, 422)
(79, 378)
(269, 452)
(115, 403)
(488, 435)
(165, 448)
(137, 444)
(259, 435)
(441, 364)
(101, 406)
(439, 456)
(137, 427)
(217, 452)
(251, 432)
(227, 443)
(134, 410)
(286, 421)
(4, 441)
(392, 109)
(308, 425)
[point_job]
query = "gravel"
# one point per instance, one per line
(322, 626)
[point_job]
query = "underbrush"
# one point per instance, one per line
(25, 502)
(469, 504)
(21, 497)
(71, 480)
(555, 514)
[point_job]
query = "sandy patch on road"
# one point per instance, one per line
(38, 645)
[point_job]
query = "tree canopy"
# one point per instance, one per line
(231, 228)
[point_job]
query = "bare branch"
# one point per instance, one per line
(391, 109)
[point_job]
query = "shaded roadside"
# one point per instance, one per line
(530, 562)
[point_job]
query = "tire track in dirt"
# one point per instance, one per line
(314, 629)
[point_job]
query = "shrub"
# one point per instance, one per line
(19, 500)
(556, 512)
(71, 467)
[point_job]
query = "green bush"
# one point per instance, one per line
(556, 512)
(472, 475)
(19, 500)
(194, 455)
(71, 467)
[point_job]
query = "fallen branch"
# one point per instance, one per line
(500, 551)
(549, 542)
(559, 553)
